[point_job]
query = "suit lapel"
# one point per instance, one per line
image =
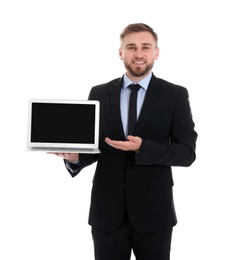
(151, 99)
(115, 107)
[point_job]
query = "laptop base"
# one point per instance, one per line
(64, 150)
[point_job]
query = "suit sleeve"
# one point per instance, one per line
(180, 150)
(84, 161)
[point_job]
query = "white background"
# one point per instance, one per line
(60, 49)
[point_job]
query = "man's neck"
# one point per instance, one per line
(136, 79)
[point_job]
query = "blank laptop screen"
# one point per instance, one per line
(63, 123)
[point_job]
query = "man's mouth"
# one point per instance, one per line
(139, 62)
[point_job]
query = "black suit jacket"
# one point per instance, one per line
(142, 182)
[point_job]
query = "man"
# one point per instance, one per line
(132, 203)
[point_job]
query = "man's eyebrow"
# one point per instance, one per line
(130, 44)
(147, 44)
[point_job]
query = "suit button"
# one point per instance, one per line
(124, 185)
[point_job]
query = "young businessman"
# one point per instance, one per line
(132, 204)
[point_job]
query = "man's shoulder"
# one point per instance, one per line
(108, 84)
(167, 85)
(101, 90)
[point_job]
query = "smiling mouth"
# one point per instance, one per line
(139, 62)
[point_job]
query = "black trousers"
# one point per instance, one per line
(118, 245)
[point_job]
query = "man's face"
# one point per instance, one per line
(138, 52)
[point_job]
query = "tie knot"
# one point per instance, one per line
(134, 87)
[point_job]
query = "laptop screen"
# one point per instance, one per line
(63, 123)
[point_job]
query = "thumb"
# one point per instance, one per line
(130, 138)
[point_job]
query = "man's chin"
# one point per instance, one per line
(139, 72)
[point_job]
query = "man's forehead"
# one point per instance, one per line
(142, 43)
(138, 44)
(140, 38)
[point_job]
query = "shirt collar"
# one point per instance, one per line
(143, 83)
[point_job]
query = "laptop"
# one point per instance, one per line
(64, 126)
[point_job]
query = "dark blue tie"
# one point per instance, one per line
(132, 114)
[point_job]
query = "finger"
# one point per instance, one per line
(67, 156)
(58, 154)
(63, 155)
(132, 138)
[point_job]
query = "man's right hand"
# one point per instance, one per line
(70, 157)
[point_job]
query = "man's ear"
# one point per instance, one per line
(120, 53)
(157, 53)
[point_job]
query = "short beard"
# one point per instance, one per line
(138, 72)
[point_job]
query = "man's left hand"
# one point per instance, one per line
(133, 143)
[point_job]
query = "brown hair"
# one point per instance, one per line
(138, 27)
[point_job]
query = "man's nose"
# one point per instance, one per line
(138, 54)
